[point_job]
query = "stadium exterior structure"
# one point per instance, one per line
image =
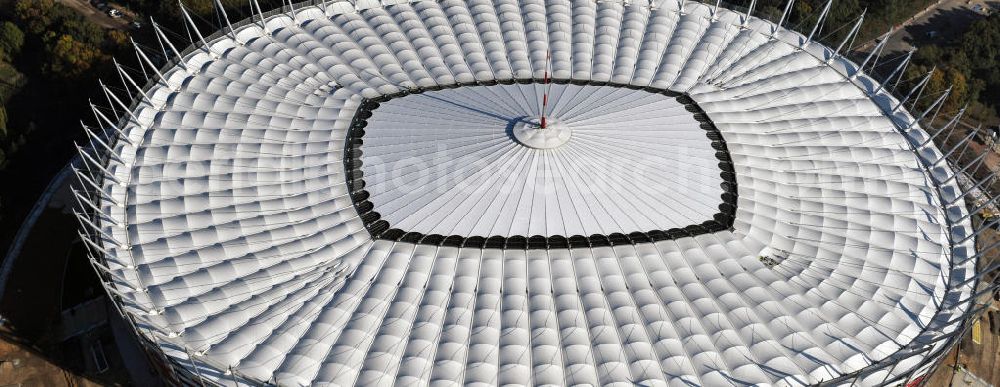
(721, 201)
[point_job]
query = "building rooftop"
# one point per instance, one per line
(251, 221)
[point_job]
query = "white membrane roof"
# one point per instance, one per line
(235, 244)
(451, 162)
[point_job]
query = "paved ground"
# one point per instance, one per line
(964, 378)
(937, 23)
(22, 365)
(97, 17)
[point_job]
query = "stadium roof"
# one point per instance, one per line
(473, 161)
(780, 223)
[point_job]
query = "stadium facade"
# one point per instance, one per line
(363, 193)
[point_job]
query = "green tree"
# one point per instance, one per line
(36, 15)
(802, 11)
(3, 123)
(929, 54)
(959, 90)
(68, 57)
(11, 41)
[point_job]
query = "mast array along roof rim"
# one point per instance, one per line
(230, 212)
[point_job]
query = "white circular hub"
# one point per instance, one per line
(531, 134)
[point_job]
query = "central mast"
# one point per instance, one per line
(545, 83)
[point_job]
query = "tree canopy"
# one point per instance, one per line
(11, 41)
(50, 59)
(970, 64)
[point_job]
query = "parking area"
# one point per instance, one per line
(102, 13)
